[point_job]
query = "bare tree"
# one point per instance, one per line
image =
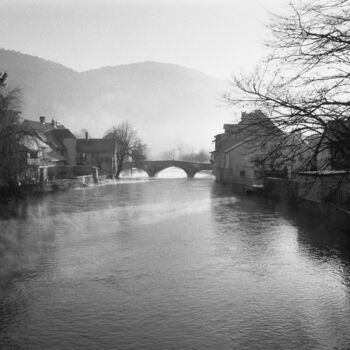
(12, 162)
(128, 145)
(304, 84)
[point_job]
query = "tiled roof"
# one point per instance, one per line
(32, 125)
(52, 134)
(33, 143)
(56, 136)
(50, 155)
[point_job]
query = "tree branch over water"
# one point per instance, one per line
(304, 84)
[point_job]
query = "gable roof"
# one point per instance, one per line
(55, 137)
(239, 144)
(32, 125)
(52, 156)
(34, 143)
(46, 136)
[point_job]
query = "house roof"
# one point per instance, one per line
(51, 134)
(50, 155)
(32, 125)
(32, 143)
(56, 137)
(239, 144)
(96, 145)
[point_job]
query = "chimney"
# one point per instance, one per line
(86, 135)
(42, 119)
(54, 123)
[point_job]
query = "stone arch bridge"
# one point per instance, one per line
(153, 167)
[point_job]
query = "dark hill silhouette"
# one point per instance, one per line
(168, 104)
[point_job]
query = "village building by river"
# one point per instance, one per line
(168, 222)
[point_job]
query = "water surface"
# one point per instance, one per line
(170, 264)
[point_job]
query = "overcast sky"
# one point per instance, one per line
(216, 37)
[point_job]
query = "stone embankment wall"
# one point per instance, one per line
(71, 172)
(65, 184)
(324, 195)
(280, 189)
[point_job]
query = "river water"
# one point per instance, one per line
(170, 264)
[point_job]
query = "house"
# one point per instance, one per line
(97, 152)
(39, 153)
(44, 145)
(56, 141)
(35, 157)
(331, 149)
(254, 148)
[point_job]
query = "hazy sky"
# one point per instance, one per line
(214, 36)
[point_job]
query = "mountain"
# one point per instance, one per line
(168, 104)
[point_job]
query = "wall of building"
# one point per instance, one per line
(223, 175)
(103, 161)
(71, 150)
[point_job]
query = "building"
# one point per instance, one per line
(56, 142)
(44, 145)
(97, 152)
(331, 149)
(254, 148)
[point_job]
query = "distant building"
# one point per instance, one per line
(331, 149)
(55, 142)
(41, 145)
(97, 152)
(253, 148)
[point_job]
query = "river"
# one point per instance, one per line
(170, 264)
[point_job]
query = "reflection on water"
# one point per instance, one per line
(170, 264)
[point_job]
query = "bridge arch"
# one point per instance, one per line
(154, 167)
(168, 169)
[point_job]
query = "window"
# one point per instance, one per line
(34, 154)
(242, 173)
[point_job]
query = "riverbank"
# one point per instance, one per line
(323, 195)
(37, 189)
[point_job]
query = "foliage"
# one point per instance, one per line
(304, 84)
(128, 145)
(11, 154)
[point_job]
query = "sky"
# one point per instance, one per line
(217, 37)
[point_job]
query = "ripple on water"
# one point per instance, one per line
(170, 264)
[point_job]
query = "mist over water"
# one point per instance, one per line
(170, 264)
